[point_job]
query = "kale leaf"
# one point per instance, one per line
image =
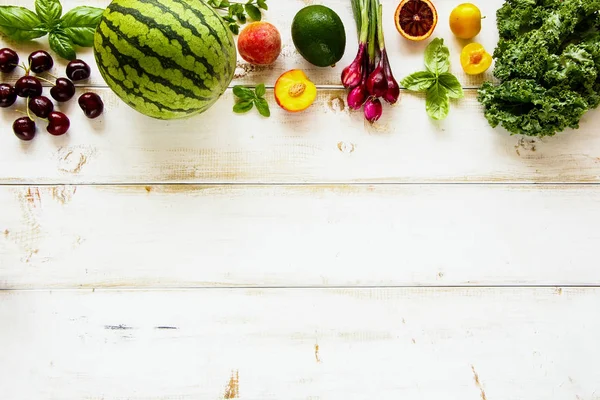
(548, 65)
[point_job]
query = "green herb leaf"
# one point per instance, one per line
(243, 92)
(452, 85)
(234, 28)
(437, 102)
(19, 23)
(253, 12)
(437, 57)
(419, 81)
(82, 17)
(83, 36)
(261, 90)
(263, 107)
(49, 11)
(243, 106)
(262, 4)
(79, 24)
(62, 45)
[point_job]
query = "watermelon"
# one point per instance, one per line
(165, 58)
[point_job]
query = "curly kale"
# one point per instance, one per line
(548, 64)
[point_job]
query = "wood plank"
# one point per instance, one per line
(406, 57)
(206, 236)
(325, 144)
(346, 344)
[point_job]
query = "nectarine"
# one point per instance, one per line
(259, 43)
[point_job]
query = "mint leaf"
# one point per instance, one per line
(61, 44)
(437, 102)
(20, 24)
(419, 81)
(253, 12)
(261, 90)
(49, 11)
(243, 92)
(437, 57)
(263, 107)
(452, 85)
(243, 106)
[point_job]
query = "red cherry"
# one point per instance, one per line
(9, 60)
(41, 106)
(91, 104)
(24, 128)
(40, 61)
(58, 123)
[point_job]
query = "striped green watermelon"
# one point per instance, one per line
(165, 58)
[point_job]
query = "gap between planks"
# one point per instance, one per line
(556, 287)
(541, 184)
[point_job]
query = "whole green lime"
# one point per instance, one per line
(319, 35)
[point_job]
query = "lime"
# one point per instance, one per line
(319, 35)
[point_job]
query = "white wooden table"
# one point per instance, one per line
(305, 256)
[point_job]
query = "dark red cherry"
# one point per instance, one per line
(41, 106)
(40, 61)
(58, 123)
(8, 95)
(63, 90)
(91, 104)
(9, 60)
(28, 86)
(24, 128)
(78, 70)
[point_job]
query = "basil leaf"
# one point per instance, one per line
(243, 92)
(19, 23)
(81, 36)
(49, 11)
(263, 107)
(419, 81)
(253, 12)
(62, 45)
(449, 82)
(79, 24)
(243, 106)
(437, 57)
(437, 102)
(82, 17)
(262, 4)
(261, 90)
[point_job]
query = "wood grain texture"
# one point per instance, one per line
(456, 344)
(327, 143)
(206, 236)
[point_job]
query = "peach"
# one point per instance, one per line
(259, 43)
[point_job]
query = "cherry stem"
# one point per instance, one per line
(51, 76)
(26, 68)
(28, 114)
(45, 80)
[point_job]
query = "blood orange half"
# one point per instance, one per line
(416, 19)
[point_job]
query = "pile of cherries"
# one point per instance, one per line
(30, 88)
